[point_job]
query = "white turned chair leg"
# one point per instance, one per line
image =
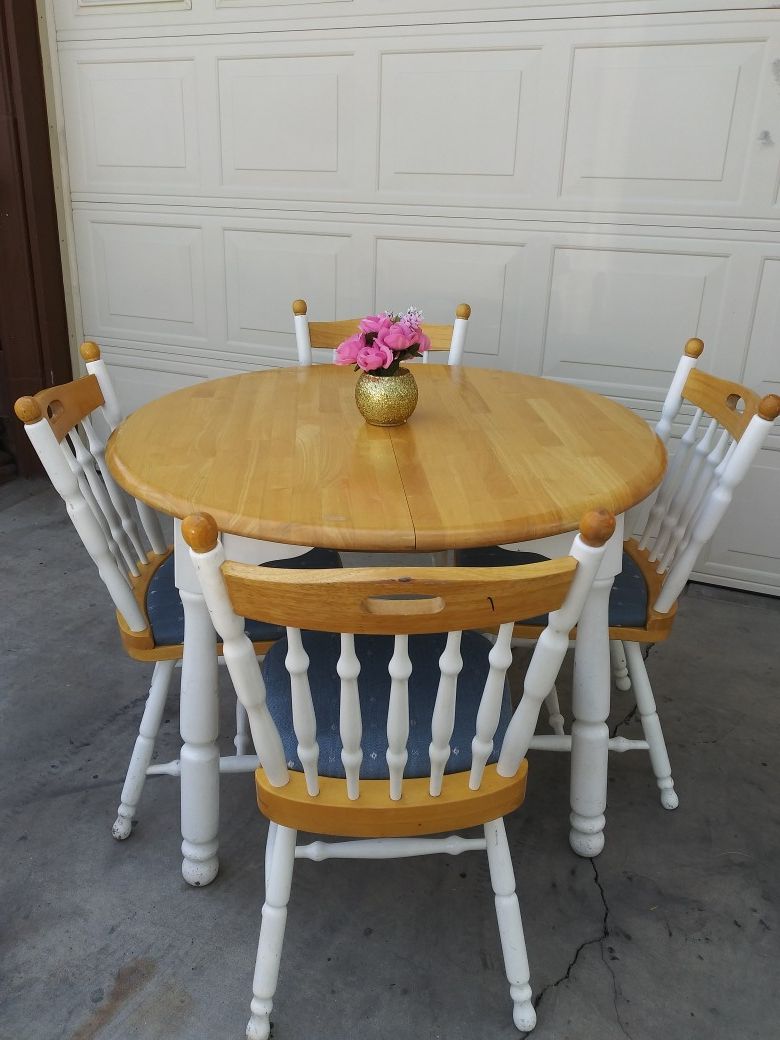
(144, 748)
(510, 925)
(269, 948)
(269, 852)
(554, 716)
(241, 740)
(651, 725)
(619, 667)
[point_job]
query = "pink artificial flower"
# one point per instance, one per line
(374, 356)
(397, 337)
(375, 323)
(347, 352)
(423, 343)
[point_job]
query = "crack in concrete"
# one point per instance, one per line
(601, 940)
(616, 992)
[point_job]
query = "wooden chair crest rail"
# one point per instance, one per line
(341, 715)
(720, 442)
(68, 426)
(449, 339)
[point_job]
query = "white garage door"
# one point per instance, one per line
(599, 180)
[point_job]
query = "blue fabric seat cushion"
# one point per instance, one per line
(374, 653)
(627, 601)
(166, 614)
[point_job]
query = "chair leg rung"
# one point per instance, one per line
(227, 764)
(388, 848)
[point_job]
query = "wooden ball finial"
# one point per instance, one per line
(596, 527)
(694, 347)
(769, 407)
(28, 410)
(299, 306)
(200, 532)
(463, 311)
(89, 351)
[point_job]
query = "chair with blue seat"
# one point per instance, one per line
(721, 439)
(382, 717)
(67, 426)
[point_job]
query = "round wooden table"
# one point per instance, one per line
(488, 457)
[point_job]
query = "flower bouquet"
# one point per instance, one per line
(385, 393)
(383, 341)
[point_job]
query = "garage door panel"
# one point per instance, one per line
(661, 122)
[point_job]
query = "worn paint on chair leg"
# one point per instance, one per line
(199, 754)
(590, 735)
(144, 747)
(651, 726)
(510, 924)
(619, 668)
(269, 947)
(554, 716)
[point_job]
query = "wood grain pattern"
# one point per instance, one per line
(719, 398)
(517, 453)
(488, 457)
(374, 815)
(351, 600)
(439, 335)
(329, 334)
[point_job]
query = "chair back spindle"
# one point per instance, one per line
(60, 423)
(304, 720)
(350, 722)
(112, 413)
(449, 338)
(443, 718)
(403, 604)
(725, 433)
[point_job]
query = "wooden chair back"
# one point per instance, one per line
(729, 426)
(328, 334)
(68, 426)
(396, 602)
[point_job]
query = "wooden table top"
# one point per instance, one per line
(487, 457)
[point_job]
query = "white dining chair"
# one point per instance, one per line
(309, 335)
(720, 442)
(390, 740)
(67, 426)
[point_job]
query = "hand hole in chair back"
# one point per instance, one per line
(54, 409)
(452, 599)
(401, 606)
(736, 403)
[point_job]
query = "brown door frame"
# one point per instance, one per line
(34, 348)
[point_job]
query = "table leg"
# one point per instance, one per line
(199, 723)
(199, 727)
(590, 708)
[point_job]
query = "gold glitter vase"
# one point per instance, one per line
(386, 400)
